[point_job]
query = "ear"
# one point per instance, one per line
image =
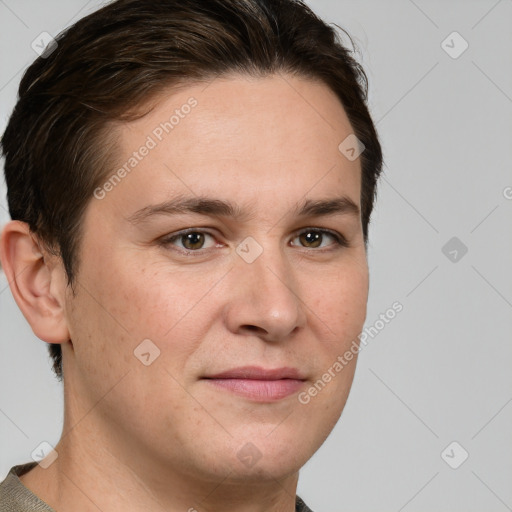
(37, 282)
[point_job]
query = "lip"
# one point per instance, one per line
(259, 373)
(259, 384)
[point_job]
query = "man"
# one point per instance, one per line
(190, 184)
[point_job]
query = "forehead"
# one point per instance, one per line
(240, 137)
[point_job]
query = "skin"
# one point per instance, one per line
(160, 435)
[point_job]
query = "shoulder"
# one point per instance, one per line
(300, 506)
(15, 497)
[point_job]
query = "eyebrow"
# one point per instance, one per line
(220, 208)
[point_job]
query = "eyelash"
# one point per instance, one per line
(339, 239)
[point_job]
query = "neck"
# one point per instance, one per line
(93, 473)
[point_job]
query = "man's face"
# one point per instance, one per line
(263, 287)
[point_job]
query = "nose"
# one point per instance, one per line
(264, 298)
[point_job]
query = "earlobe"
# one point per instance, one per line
(36, 282)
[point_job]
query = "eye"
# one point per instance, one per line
(195, 240)
(191, 240)
(313, 238)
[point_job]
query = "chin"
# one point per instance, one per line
(272, 453)
(253, 457)
(267, 467)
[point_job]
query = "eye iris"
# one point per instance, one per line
(193, 240)
(311, 238)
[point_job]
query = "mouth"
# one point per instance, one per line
(259, 384)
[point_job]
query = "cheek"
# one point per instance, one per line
(339, 317)
(340, 302)
(122, 308)
(109, 319)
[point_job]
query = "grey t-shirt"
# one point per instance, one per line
(15, 497)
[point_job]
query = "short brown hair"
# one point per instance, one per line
(118, 58)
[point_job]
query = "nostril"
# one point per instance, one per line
(253, 328)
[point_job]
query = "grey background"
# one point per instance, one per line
(440, 371)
